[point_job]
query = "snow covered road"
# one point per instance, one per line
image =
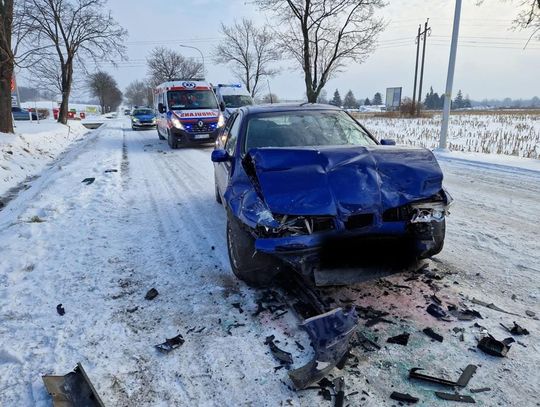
(97, 249)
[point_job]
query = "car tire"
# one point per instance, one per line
(159, 134)
(218, 196)
(133, 128)
(254, 268)
(171, 141)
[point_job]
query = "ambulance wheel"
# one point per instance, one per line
(159, 134)
(171, 141)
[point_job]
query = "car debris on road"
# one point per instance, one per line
(516, 329)
(488, 344)
(330, 334)
(281, 355)
(151, 294)
(60, 309)
(401, 339)
(455, 397)
(88, 181)
(170, 344)
(432, 334)
(72, 390)
(405, 397)
(461, 382)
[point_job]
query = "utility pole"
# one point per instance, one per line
(427, 30)
(416, 68)
(450, 77)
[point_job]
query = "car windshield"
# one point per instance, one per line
(191, 99)
(304, 129)
(237, 100)
(142, 111)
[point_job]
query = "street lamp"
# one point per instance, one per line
(202, 56)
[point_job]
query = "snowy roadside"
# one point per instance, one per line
(153, 222)
(33, 146)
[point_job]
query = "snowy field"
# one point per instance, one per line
(505, 133)
(33, 147)
(97, 249)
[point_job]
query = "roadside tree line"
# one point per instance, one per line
(57, 40)
(350, 101)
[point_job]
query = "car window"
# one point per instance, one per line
(233, 135)
(237, 100)
(304, 129)
(15, 109)
(191, 99)
(142, 111)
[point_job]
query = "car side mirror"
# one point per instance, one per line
(222, 106)
(161, 108)
(388, 142)
(220, 156)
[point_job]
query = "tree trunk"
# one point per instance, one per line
(67, 79)
(6, 119)
(6, 66)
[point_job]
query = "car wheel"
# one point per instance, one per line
(133, 128)
(218, 196)
(171, 141)
(254, 268)
(159, 134)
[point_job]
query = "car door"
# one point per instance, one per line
(229, 138)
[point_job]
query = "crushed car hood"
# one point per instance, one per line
(343, 180)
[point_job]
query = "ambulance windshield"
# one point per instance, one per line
(191, 99)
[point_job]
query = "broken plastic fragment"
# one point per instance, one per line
(170, 344)
(339, 385)
(462, 381)
(492, 346)
(88, 181)
(516, 329)
(329, 333)
(455, 397)
(402, 339)
(151, 294)
(60, 309)
(432, 334)
(281, 355)
(437, 312)
(403, 397)
(72, 390)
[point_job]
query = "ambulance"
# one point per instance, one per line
(232, 96)
(188, 112)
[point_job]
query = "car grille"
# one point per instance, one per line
(359, 221)
(206, 128)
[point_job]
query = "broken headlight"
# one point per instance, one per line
(290, 225)
(428, 212)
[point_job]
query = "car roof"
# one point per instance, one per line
(286, 107)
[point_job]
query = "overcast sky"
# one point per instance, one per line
(491, 62)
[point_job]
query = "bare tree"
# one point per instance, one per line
(7, 61)
(250, 51)
(167, 65)
(75, 31)
(104, 87)
(139, 93)
(323, 35)
(529, 18)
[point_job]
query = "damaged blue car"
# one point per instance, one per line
(307, 187)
